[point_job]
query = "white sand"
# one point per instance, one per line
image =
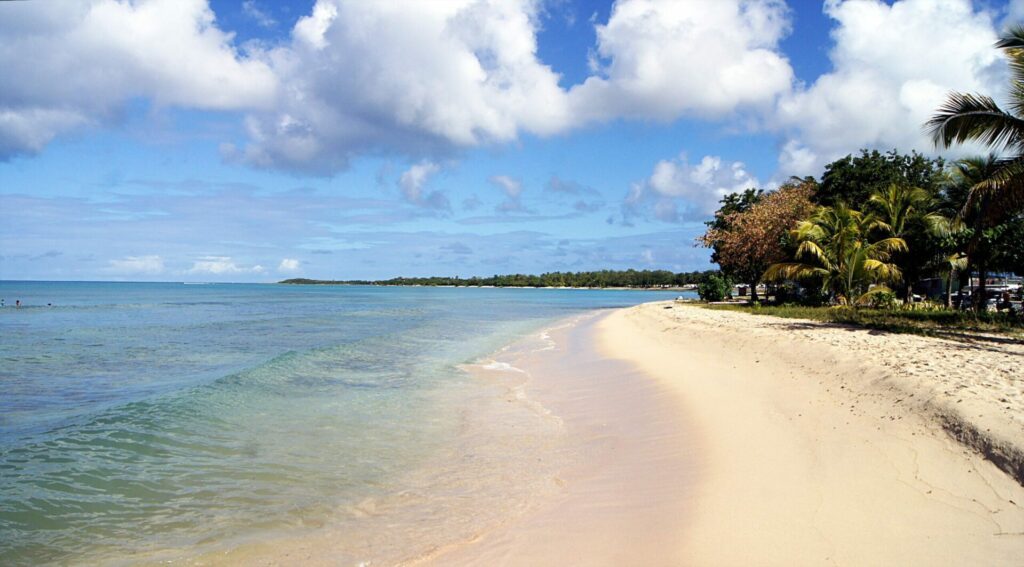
(821, 445)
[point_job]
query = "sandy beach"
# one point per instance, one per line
(780, 442)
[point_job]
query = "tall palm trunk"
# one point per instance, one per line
(981, 298)
(949, 288)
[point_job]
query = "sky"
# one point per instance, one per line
(252, 141)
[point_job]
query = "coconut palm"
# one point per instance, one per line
(910, 213)
(968, 117)
(835, 247)
(949, 266)
(975, 229)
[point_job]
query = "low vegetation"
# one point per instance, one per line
(930, 321)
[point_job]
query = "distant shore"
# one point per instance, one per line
(602, 279)
(611, 288)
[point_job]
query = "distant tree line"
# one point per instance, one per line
(599, 279)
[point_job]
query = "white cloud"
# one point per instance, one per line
(151, 264)
(893, 65)
(412, 183)
(221, 265)
(288, 265)
(69, 64)
(406, 76)
(662, 59)
(697, 189)
(413, 179)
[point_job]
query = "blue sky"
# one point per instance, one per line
(252, 141)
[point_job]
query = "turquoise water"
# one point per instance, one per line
(171, 419)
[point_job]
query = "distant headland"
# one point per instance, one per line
(631, 279)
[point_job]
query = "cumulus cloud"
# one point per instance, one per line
(288, 266)
(677, 190)
(405, 76)
(151, 264)
(69, 64)
(428, 78)
(660, 59)
(893, 65)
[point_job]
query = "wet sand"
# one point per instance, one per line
(627, 488)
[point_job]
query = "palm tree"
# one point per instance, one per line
(950, 266)
(909, 213)
(972, 222)
(834, 246)
(975, 117)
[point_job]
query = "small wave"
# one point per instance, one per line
(501, 366)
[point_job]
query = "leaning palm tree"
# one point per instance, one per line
(835, 247)
(968, 117)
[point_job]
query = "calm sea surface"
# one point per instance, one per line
(161, 420)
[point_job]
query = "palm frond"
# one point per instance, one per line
(967, 117)
(811, 249)
(791, 271)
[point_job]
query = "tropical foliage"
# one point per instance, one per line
(853, 179)
(836, 248)
(748, 240)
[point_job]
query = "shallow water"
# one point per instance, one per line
(161, 421)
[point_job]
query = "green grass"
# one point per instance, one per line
(940, 323)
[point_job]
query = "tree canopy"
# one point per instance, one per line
(749, 239)
(852, 179)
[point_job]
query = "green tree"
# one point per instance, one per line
(966, 117)
(852, 179)
(751, 240)
(835, 246)
(714, 287)
(990, 245)
(911, 214)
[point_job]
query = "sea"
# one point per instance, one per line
(171, 422)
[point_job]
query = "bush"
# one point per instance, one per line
(715, 287)
(883, 300)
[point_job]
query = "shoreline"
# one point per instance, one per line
(697, 437)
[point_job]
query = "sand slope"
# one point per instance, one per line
(825, 445)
